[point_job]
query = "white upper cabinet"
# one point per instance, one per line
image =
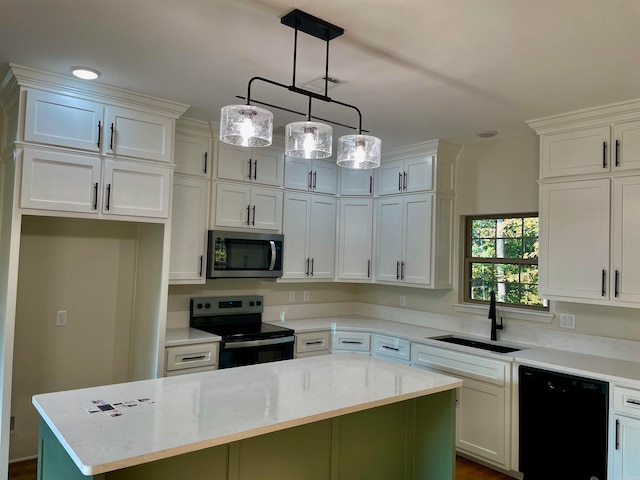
(356, 182)
(60, 181)
(255, 165)
(574, 240)
(355, 239)
(245, 206)
(189, 227)
(132, 133)
(589, 227)
(319, 176)
(64, 121)
(136, 189)
(406, 176)
(192, 151)
(309, 229)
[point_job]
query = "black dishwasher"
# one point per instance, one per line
(563, 426)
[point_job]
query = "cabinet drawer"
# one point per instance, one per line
(190, 356)
(351, 342)
(312, 342)
(391, 347)
(626, 401)
(449, 361)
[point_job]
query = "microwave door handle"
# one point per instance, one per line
(273, 255)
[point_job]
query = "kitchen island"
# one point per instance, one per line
(332, 417)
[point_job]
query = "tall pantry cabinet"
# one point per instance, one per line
(589, 197)
(73, 154)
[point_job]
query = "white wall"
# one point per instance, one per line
(85, 267)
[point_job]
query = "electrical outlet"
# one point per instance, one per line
(61, 318)
(568, 320)
(306, 296)
(403, 300)
(292, 296)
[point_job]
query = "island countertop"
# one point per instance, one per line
(177, 415)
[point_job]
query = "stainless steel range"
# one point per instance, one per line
(246, 339)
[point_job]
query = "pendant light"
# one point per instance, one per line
(358, 151)
(251, 126)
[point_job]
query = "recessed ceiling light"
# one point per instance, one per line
(85, 73)
(487, 134)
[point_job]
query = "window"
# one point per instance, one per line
(501, 254)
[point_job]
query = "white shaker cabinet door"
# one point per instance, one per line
(626, 239)
(322, 237)
(61, 120)
(419, 174)
(189, 229)
(233, 162)
(136, 189)
(389, 239)
(60, 181)
(418, 225)
(391, 177)
(356, 182)
(325, 177)
(355, 243)
(266, 209)
(192, 154)
(295, 227)
(574, 239)
(233, 207)
(626, 145)
(268, 166)
(626, 461)
(298, 174)
(575, 153)
(132, 133)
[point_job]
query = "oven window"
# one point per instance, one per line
(237, 357)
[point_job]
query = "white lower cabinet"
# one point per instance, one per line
(625, 444)
(189, 227)
(483, 415)
(79, 183)
(199, 357)
(351, 342)
(311, 344)
(391, 348)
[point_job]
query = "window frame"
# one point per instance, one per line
(468, 260)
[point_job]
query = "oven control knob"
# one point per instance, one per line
(259, 302)
(199, 305)
(207, 305)
(251, 303)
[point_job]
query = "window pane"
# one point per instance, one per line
(480, 290)
(530, 249)
(529, 274)
(506, 272)
(483, 248)
(512, 248)
(511, 227)
(483, 228)
(508, 292)
(530, 296)
(530, 227)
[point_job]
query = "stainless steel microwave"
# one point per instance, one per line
(244, 254)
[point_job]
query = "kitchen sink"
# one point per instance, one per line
(468, 342)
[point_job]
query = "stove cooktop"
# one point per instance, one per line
(243, 331)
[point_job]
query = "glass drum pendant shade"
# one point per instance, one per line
(308, 140)
(246, 126)
(358, 152)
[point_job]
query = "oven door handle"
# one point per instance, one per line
(259, 343)
(273, 255)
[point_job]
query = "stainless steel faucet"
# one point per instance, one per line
(492, 315)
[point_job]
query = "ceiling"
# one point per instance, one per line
(417, 69)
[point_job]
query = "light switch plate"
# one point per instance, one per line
(61, 318)
(568, 320)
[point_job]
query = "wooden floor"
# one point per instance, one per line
(465, 470)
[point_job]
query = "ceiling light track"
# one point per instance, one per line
(252, 126)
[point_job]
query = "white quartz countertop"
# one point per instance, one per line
(593, 366)
(188, 336)
(181, 414)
